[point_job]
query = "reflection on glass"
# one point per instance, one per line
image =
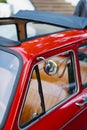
(9, 65)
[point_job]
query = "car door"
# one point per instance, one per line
(80, 119)
(53, 95)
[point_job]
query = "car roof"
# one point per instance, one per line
(64, 20)
(42, 45)
(71, 22)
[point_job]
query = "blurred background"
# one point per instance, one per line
(10, 7)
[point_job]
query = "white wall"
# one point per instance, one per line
(5, 10)
(73, 2)
(13, 6)
(20, 5)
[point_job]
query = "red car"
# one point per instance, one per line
(43, 72)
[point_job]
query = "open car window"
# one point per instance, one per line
(9, 31)
(17, 29)
(37, 29)
(53, 80)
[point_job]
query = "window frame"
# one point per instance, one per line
(28, 124)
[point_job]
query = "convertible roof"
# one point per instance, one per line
(68, 21)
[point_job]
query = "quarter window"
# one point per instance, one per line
(52, 81)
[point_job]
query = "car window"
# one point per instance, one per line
(9, 31)
(82, 54)
(9, 65)
(52, 81)
(36, 29)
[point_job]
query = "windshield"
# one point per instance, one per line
(9, 65)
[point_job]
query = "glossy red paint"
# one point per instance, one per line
(38, 46)
(62, 116)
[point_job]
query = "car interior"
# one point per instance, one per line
(55, 87)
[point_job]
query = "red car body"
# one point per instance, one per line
(69, 114)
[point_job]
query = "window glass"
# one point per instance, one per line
(8, 31)
(9, 65)
(36, 29)
(52, 81)
(82, 54)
